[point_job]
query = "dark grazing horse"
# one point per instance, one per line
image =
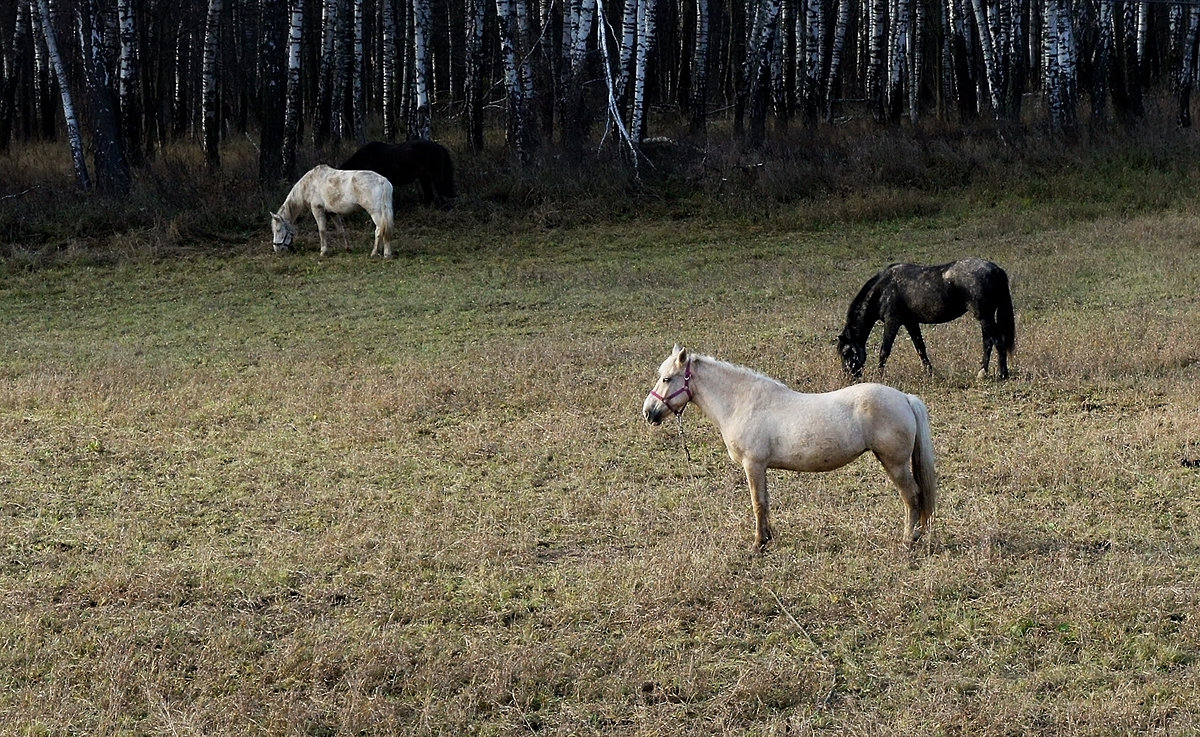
(424, 161)
(906, 295)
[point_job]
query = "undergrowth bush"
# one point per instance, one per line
(851, 171)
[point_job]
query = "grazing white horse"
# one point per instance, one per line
(325, 190)
(767, 425)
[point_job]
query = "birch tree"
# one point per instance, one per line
(699, 100)
(108, 150)
(388, 61)
(357, 93)
(897, 70)
(520, 133)
(292, 94)
(579, 16)
(647, 26)
(754, 80)
(420, 123)
(8, 79)
(74, 139)
(811, 75)
(1185, 72)
(324, 125)
(1059, 66)
(209, 100)
(128, 81)
(837, 46)
(877, 59)
(475, 77)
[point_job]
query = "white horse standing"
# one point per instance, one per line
(325, 190)
(767, 425)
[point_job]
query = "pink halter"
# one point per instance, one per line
(685, 389)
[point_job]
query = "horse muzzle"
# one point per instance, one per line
(654, 410)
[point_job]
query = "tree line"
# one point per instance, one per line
(123, 78)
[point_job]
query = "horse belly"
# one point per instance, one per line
(816, 452)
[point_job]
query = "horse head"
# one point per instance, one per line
(282, 233)
(853, 353)
(673, 390)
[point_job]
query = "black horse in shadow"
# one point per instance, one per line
(906, 295)
(426, 162)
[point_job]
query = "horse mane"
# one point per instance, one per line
(738, 368)
(294, 203)
(864, 308)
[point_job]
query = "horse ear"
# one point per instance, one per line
(682, 357)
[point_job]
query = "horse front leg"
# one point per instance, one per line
(918, 341)
(756, 479)
(890, 329)
(318, 214)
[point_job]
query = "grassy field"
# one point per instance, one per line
(243, 493)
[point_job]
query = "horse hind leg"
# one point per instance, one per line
(991, 340)
(383, 232)
(918, 341)
(910, 493)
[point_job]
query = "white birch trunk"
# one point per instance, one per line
(898, 57)
(324, 124)
(916, 59)
(835, 57)
(877, 59)
(629, 34)
(388, 62)
(525, 40)
(291, 116)
(518, 122)
(128, 74)
(476, 16)
(420, 125)
(814, 73)
(987, 48)
(699, 101)
(209, 98)
(50, 38)
(647, 27)
(358, 99)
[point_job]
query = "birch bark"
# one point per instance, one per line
(209, 98)
(74, 139)
(292, 109)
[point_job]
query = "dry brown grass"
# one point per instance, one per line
(254, 495)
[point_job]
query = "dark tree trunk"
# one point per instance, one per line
(108, 150)
(273, 90)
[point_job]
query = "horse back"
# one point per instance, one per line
(403, 163)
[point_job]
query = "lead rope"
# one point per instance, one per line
(682, 439)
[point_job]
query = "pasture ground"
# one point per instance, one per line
(243, 493)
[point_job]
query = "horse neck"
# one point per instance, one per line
(719, 388)
(295, 202)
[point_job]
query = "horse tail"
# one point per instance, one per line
(1006, 320)
(387, 216)
(922, 461)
